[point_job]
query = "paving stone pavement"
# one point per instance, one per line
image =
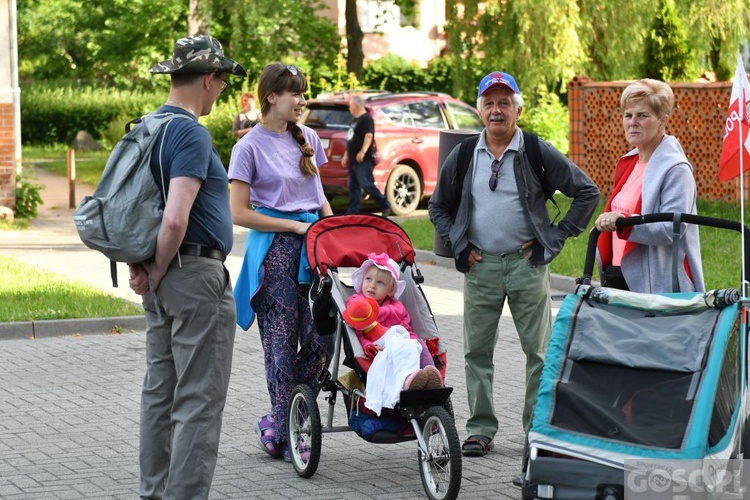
(69, 405)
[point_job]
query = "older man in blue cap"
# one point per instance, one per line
(489, 207)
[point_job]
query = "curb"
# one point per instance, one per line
(64, 327)
(128, 324)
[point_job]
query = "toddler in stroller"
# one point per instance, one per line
(334, 244)
(396, 356)
(378, 287)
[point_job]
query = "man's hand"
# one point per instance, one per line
(474, 257)
(345, 160)
(360, 157)
(138, 279)
(528, 246)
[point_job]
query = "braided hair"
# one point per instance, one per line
(279, 77)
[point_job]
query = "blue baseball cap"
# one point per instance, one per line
(497, 78)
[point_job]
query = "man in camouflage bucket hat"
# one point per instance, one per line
(198, 54)
(191, 320)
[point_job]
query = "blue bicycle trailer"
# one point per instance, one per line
(633, 376)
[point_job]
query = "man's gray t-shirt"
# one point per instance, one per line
(498, 222)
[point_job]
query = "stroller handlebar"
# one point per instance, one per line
(636, 220)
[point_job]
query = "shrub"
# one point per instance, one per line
(28, 197)
(219, 123)
(667, 50)
(54, 115)
(548, 119)
(394, 73)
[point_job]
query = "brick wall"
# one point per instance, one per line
(7, 160)
(597, 140)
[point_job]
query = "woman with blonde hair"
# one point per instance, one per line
(276, 193)
(654, 177)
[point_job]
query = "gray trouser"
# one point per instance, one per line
(189, 360)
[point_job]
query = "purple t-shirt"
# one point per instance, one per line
(269, 162)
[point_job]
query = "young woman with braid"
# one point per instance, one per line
(276, 193)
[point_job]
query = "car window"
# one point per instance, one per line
(422, 114)
(427, 114)
(328, 117)
(398, 114)
(463, 117)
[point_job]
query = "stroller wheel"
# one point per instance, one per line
(440, 468)
(305, 430)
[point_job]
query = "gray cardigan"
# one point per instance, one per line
(449, 210)
(668, 186)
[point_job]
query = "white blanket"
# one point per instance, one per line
(390, 368)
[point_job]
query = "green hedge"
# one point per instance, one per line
(55, 115)
(396, 74)
(52, 115)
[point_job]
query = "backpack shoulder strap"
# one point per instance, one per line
(531, 141)
(465, 154)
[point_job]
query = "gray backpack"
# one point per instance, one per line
(123, 217)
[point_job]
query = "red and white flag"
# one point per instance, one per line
(735, 152)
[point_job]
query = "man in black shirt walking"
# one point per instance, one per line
(358, 156)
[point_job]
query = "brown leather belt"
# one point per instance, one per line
(198, 250)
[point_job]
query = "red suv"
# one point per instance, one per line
(407, 135)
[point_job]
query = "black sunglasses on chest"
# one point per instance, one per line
(495, 172)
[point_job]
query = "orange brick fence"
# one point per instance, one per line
(597, 139)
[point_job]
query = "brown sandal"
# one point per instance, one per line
(476, 446)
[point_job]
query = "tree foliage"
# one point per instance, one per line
(610, 32)
(545, 42)
(667, 53)
(106, 41)
(535, 41)
(723, 25)
(264, 31)
(116, 41)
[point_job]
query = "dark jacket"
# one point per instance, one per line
(449, 210)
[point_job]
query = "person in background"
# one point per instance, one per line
(188, 302)
(500, 234)
(654, 177)
(358, 157)
(247, 118)
(276, 193)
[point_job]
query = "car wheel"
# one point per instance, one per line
(403, 190)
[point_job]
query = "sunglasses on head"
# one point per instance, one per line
(495, 171)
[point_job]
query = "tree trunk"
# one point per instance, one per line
(354, 36)
(196, 22)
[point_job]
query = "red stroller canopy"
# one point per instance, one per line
(345, 241)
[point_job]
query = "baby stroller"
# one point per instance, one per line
(633, 379)
(344, 241)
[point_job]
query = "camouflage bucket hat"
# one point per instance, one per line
(198, 54)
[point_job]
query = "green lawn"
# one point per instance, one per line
(89, 164)
(34, 295)
(720, 249)
(31, 294)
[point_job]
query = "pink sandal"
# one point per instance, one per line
(267, 436)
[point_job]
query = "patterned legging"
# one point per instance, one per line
(293, 351)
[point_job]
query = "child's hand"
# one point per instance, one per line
(372, 350)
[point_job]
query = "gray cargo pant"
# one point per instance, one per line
(189, 360)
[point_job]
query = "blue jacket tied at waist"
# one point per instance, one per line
(251, 275)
